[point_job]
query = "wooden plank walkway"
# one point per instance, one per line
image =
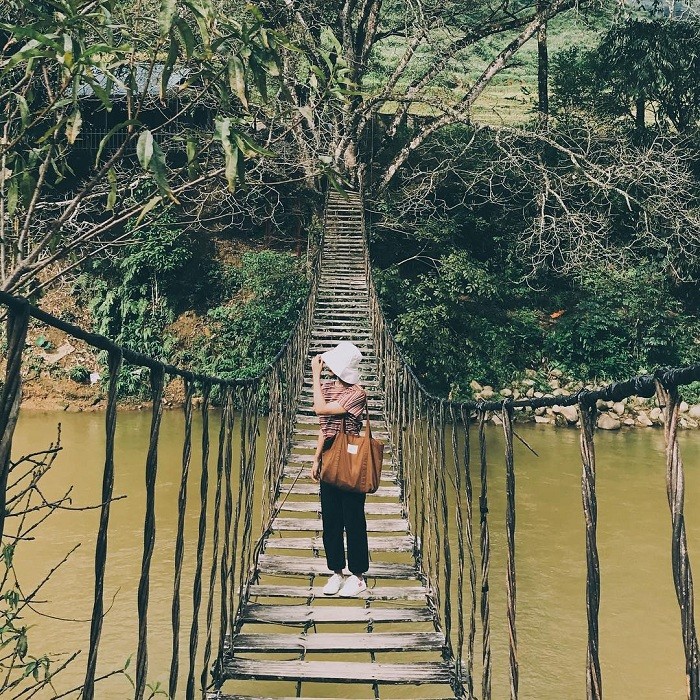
(287, 613)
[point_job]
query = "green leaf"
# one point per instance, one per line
(8, 552)
(259, 77)
(110, 133)
(191, 148)
(166, 16)
(222, 132)
(22, 644)
(236, 78)
(112, 196)
(27, 185)
(100, 92)
(307, 113)
(160, 173)
(12, 196)
(171, 59)
(249, 148)
(149, 206)
(23, 109)
(144, 148)
(73, 125)
(68, 55)
(186, 35)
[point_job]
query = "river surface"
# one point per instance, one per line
(640, 637)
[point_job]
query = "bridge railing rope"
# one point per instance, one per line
(221, 566)
(424, 428)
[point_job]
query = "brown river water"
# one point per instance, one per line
(640, 636)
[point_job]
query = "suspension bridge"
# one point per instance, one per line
(253, 612)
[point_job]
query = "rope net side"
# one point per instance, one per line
(222, 553)
(425, 429)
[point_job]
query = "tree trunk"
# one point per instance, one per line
(640, 106)
(542, 73)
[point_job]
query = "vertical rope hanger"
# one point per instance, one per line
(429, 546)
(204, 677)
(680, 559)
(469, 492)
(507, 420)
(594, 681)
(239, 505)
(447, 549)
(201, 541)
(411, 467)
(485, 548)
(226, 458)
(114, 367)
(180, 539)
(247, 551)
(149, 532)
(459, 521)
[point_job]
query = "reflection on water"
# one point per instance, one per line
(640, 639)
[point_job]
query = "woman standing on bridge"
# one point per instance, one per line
(341, 399)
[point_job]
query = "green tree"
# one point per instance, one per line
(248, 332)
(64, 61)
(394, 57)
(641, 66)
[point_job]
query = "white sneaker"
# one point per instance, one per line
(334, 584)
(353, 587)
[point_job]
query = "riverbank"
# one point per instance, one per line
(62, 374)
(42, 392)
(635, 412)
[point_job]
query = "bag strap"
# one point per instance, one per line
(368, 429)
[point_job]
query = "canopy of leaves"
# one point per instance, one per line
(655, 62)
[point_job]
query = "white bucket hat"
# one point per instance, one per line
(344, 361)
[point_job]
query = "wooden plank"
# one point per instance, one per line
(388, 474)
(315, 525)
(296, 461)
(219, 695)
(309, 444)
(376, 544)
(304, 566)
(379, 434)
(324, 314)
(338, 671)
(311, 489)
(358, 285)
(309, 418)
(319, 345)
(407, 593)
(328, 291)
(324, 642)
(353, 283)
(308, 458)
(371, 508)
(340, 614)
(336, 261)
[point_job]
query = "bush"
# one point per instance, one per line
(455, 326)
(246, 335)
(79, 374)
(621, 326)
(134, 297)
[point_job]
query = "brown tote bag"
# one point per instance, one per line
(353, 462)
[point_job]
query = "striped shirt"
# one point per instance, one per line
(353, 399)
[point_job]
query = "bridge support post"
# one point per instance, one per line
(594, 687)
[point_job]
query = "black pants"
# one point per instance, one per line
(344, 511)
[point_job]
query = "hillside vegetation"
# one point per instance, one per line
(502, 243)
